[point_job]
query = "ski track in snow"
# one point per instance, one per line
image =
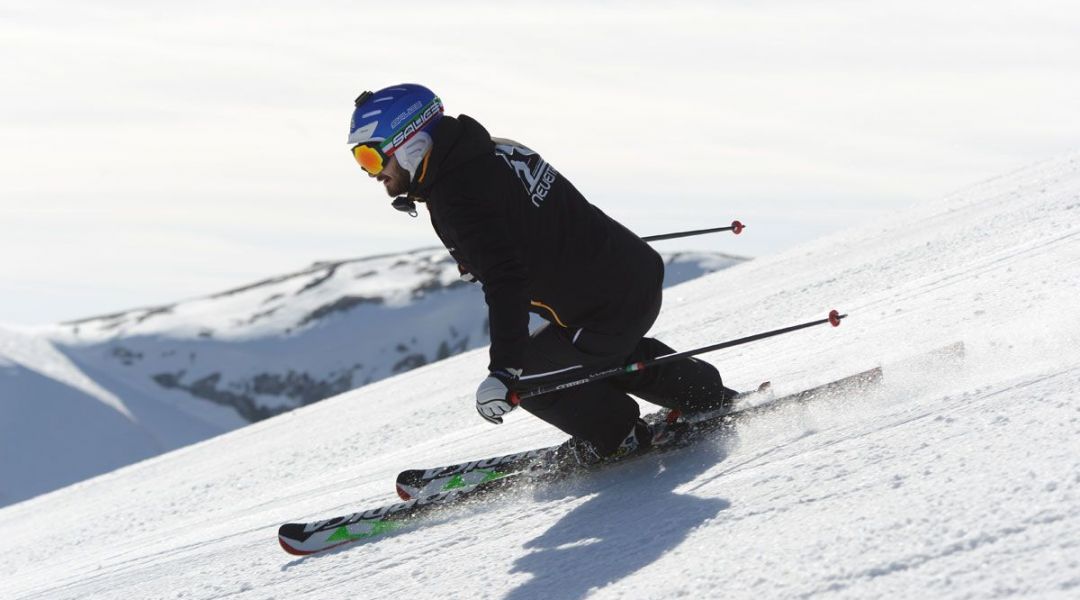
(948, 482)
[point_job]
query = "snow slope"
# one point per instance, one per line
(946, 484)
(59, 426)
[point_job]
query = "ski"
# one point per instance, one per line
(302, 539)
(417, 483)
(429, 490)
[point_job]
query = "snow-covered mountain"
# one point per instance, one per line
(58, 426)
(946, 483)
(277, 344)
(103, 392)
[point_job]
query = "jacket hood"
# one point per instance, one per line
(455, 141)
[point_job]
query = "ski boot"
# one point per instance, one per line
(580, 453)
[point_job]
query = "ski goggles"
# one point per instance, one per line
(370, 157)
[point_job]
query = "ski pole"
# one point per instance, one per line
(515, 397)
(736, 227)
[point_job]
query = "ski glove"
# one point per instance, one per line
(493, 395)
(465, 275)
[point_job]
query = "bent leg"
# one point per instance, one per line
(689, 385)
(597, 412)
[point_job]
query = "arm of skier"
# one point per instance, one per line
(486, 244)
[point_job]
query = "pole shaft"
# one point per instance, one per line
(834, 319)
(682, 234)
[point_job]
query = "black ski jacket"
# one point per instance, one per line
(531, 239)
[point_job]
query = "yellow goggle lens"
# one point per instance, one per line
(368, 158)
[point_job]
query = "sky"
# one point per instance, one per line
(154, 151)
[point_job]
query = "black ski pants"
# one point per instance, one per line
(601, 412)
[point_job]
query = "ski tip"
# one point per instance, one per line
(287, 547)
(409, 483)
(290, 549)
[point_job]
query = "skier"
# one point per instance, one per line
(518, 226)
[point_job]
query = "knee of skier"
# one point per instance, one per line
(646, 349)
(707, 378)
(649, 348)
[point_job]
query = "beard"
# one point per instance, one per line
(395, 187)
(394, 178)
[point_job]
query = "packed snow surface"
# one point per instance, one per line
(948, 482)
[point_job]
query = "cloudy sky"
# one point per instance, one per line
(153, 151)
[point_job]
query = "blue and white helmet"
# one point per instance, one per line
(398, 121)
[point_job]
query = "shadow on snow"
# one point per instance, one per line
(634, 519)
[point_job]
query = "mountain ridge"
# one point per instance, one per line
(161, 377)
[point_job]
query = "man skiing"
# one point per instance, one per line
(518, 226)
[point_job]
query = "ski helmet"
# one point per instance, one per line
(394, 120)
